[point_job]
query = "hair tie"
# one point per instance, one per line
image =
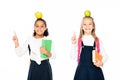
(38, 15)
(87, 13)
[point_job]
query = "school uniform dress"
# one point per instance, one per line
(86, 70)
(40, 68)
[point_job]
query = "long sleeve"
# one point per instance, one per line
(53, 52)
(21, 50)
(103, 52)
(73, 51)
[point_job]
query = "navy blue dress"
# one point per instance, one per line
(39, 72)
(86, 70)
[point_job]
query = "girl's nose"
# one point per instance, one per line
(87, 25)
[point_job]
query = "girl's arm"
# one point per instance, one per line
(74, 51)
(103, 53)
(18, 49)
(43, 50)
(21, 50)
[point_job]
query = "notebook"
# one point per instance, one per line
(48, 44)
(96, 56)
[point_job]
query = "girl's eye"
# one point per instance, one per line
(90, 24)
(37, 26)
(84, 24)
(42, 26)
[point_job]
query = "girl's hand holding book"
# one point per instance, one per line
(43, 50)
(97, 58)
(98, 64)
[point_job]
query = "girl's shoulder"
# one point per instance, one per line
(29, 39)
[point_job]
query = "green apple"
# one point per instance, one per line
(38, 15)
(87, 13)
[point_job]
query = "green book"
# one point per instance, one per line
(48, 44)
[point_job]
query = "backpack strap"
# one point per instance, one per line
(79, 48)
(97, 45)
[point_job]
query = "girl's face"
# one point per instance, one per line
(39, 28)
(87, 25)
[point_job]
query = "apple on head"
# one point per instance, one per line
(87, 13)
(38, 15)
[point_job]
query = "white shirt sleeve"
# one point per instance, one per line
(73, 51)
(53, 52)
(103, 52)
(21, 50)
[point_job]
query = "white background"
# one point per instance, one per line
(63, 18)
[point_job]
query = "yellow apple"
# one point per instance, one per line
(87, 13)
(38, 15)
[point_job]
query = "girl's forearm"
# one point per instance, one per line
(16, 45)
